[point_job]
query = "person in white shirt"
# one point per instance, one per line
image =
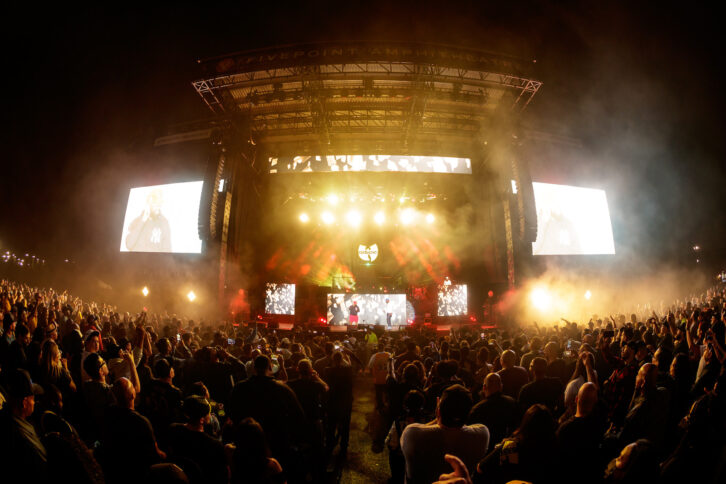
(425, 445)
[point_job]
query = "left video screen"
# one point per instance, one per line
(279, 298)
(163, 218)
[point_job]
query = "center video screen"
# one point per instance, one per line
(452, 300)
(333, 163)
(279, 298)
(163, 218)
(571, 221)
(383, 309)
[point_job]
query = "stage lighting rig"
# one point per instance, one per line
(304, 218)
(145, 291)
(379, 218)
(327, 217)
(407, 216)
(191, 296)
(430, 218)
(354, 218)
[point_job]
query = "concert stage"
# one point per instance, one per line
(385, 175)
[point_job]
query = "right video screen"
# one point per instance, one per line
(452, 300)
(572, 221)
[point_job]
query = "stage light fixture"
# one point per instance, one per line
(588, 294)
(430, 218)
(145, 291)
(407, 216)
(333, 199)
(353, 217)
(191, 296)
(380, 218)
(327, 218)
(304, 218)
(540, 298)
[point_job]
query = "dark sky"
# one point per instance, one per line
(639, 88)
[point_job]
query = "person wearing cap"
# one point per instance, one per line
(96, 393)
(189, 442)
(91, 344)
(425, 445)
(618, 389)
(20, 444)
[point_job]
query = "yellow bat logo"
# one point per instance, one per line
(368, 254)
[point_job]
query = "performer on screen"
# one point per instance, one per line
(150, 231)
(353, 310)
(336, 313)
(389, 312)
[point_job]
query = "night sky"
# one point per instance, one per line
(638, 91)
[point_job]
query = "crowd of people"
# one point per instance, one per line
(89, 394)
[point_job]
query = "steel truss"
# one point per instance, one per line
(396, 99)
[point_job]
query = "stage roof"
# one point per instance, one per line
(397, 97)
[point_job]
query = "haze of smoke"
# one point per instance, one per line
(612, 294)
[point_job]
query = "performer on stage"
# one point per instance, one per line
(389, 312)
(353, 310)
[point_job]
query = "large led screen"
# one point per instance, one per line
(332, 163)
(452, 300)
(280, 298)
(163, 218)
(572, 220)
(384, 309)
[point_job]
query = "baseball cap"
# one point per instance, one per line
(90, 334)
(50, 328)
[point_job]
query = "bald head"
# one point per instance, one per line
(586, 399)
(492, 384)
(647, 376)
(538, 366)
(551, 350)
(124, 392)
(509, 359)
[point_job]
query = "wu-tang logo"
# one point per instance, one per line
(368, 254)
